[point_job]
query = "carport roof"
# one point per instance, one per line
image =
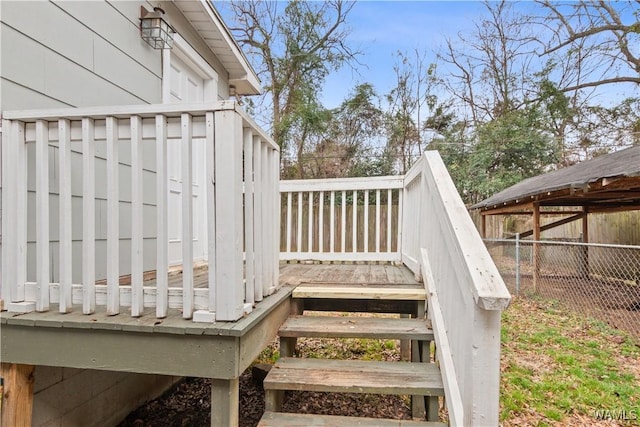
(605, 183)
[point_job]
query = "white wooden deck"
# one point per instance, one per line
(102, 341)
(291, 275)
(432, 237)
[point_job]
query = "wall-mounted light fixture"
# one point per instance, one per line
(155, 28)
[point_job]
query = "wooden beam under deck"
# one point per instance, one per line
(170, 346)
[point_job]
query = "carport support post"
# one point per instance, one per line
(584, 259)
(517, 264)
(536, 245)
(225, 402)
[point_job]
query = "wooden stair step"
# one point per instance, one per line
(376, 291)
(355, 327)
(355, 376)
(281, 419)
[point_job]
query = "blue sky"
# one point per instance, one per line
(382, 28)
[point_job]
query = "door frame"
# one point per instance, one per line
(187, 54)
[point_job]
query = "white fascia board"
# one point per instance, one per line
(249, 83)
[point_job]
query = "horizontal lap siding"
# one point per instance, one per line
(78, 54)
(23, 98)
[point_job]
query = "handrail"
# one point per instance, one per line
(466, 295)
(144, 111)
(486, 284)
(443, 346)
(348, 184)
(414, 172)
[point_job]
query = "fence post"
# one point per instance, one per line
(517, 264)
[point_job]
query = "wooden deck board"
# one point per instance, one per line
(332, 292)
(360, 291)
(293, 274)
(345, 273)
(355, 376)
(379, 274)
(282, 419)
(361, 274)
(355, 327)
(173, 324)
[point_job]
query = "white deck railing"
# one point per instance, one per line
(411, 219)
(466, 294)
(85, 197)
(348, 219)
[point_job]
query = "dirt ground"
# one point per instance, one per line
(188, 404)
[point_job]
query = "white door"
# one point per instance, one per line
(186, 86)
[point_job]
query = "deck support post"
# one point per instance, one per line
(273, 400)
(288, 344)
(225, 402)
(433, 408)
(418, 409)
(406, 352)
(297, 306)
(423, 407)
(17, 395)
(405, 345)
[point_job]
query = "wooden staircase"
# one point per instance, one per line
(419, 377)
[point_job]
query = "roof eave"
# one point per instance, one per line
(241, 74)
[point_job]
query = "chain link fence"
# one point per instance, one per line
(597, 280)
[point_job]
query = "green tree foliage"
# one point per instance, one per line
(341, 142)
(509, 149)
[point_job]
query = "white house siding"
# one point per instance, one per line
(88, 53)
(77, 53)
